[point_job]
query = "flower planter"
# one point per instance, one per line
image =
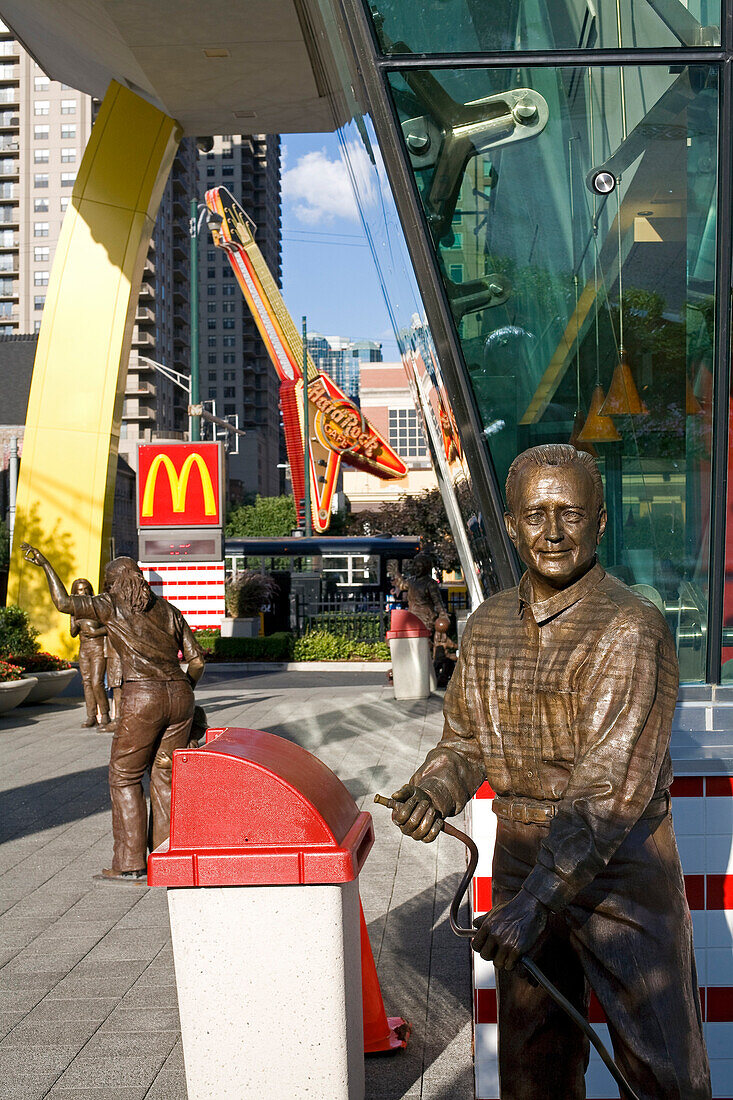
(48, 685)
(13, 692)
(240, 628)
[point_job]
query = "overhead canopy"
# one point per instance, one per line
(383, 545)
(216, 67)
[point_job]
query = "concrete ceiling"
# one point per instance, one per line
(158, 48)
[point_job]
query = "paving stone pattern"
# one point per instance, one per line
(88, 1006)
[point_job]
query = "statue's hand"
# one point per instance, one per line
(510, 930)
(32, 555)
(416, 815)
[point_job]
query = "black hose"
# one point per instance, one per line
(531, 967)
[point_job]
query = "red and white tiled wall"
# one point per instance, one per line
(703, 820)
(195, 588)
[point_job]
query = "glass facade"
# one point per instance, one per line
(562, 173)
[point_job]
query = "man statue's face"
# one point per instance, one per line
(557, 526)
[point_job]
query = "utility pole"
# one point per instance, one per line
(194, 422)
(307, 518)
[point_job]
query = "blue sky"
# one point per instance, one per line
(328, 271)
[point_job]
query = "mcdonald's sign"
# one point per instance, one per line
(180, 485)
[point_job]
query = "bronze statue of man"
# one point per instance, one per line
(423, 594)
(157, 703)
(563, 700)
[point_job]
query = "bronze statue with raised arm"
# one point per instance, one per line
(563, 699)
(423, 593)
(157, 701)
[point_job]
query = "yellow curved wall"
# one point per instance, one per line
(69, 463)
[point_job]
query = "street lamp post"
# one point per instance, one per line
(194, 432)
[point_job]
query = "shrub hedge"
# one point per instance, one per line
(318, 645)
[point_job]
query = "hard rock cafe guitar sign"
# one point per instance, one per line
(338, 430)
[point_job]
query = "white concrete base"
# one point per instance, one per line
(269, 991)
(240, 628)
(412, 668)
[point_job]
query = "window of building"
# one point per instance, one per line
(6, 238)
(227, 307)
(210, 272)
(40, 206)
(68, 156)
(41, 156)
(228, 322)
(41, 252)
(8, 166)
(228, 291)
(211, 255)
(211, 307)
(41, 83)
(228, 376)
(226, 138)
(212, 342)
(227, 170)
(68, 179)
(211, 290)
(68, 106)
(211, 323)
(229, 357)
(210, 171)
(405, 434)
(68, 129)
(40, 133)
(230, 391)
(6, 309)
(212, 373)
(40, 229)
(230, 410)
(64, 203)
(212, 393)
(456, 272)
(6, 287)
(41, 106)
(36, 326)
(228, 341)
(40, 278)
(39, 301)
(7, 261)
(227, 153)
(7, 72)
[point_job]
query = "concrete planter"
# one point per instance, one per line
(13, 692)
(240, 628)
(48, 685)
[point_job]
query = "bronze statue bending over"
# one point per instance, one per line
(92, 636)
(423, 594)
(563, 699)
(157, 703)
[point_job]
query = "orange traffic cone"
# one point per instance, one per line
(382, 1035)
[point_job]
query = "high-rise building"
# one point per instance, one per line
(155, 407)
(236, 373)
(342, 359)
(44, 130)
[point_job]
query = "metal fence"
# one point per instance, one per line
(361, 620)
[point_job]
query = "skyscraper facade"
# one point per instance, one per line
(236, 375)
(342, 359)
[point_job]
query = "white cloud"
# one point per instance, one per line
(320, 189)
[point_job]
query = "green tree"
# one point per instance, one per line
(268, 516)
(422, 515)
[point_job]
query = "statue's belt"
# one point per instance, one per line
(536, 811)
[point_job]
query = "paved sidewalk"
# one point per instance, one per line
(87, 992)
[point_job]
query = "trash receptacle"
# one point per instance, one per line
(262, 867)
(412, 661)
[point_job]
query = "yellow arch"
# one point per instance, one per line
(69, 463)
(178, 485)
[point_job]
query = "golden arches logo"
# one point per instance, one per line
(178, 483)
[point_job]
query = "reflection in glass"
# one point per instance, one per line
(475, 26)
(573, 216)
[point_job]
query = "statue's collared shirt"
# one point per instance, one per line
(568, 700)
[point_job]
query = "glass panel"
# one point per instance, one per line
(556, 341)
(476, 26)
